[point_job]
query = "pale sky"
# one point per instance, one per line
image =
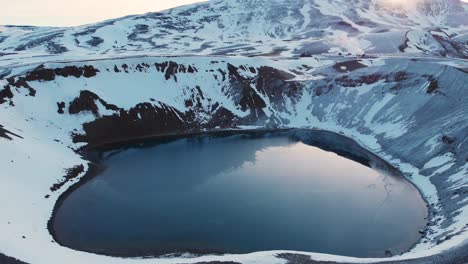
(74, 12)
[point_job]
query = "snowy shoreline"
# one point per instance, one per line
(392, 79)
(365, 157)
(43, 130)
(93, 171)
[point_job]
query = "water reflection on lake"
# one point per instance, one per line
(239, 194)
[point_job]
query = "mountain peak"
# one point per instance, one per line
(257, 28)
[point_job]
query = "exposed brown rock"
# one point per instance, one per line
(41, 74)
(69, 71)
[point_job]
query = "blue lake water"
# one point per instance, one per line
(239, 194)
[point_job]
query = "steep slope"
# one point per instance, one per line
(256, 27)
(410, 112)
(234, 65)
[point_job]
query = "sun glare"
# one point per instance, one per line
(396, 3)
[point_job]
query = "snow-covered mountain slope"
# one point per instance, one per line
(237, 64)
(411, 112)
(257, 27)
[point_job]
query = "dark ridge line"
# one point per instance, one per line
(4, 133)
(458, 256)
(4, 259)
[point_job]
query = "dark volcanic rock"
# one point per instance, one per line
(142, 120)
(348, 66)
(276, 85)
(89, 71)
(70, 174)
(433, 86)
(249, 92)
(251, 100)
(397, 77)
(46, 39)
(346, 81)
(404, 46)
(246, 97)
(69, 71)
(171, 68)
(21, 82)
(42, 73)
(300, 259)
(87, 102)
(223, 118)
(95, 41)
(147, 119)
(54, 48)
(61, 106)
(5, 94)
(448, 140)
(125, 67)
(4, 133)
(457, 257)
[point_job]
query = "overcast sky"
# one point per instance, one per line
(72, 13)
